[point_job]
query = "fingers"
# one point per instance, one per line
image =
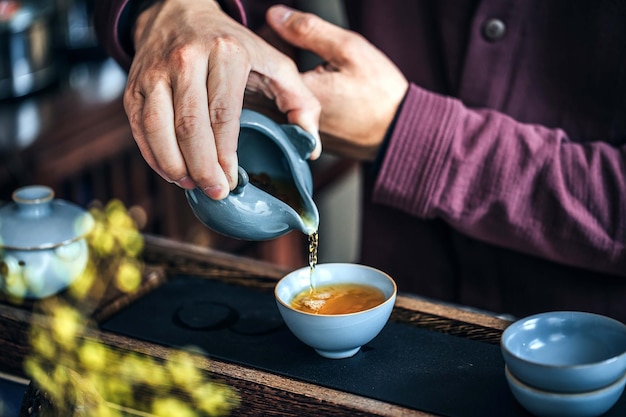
(229, 67)
(307, 31)
(152, 127)
(187, 135)
(283, 83)
(301, 108)
(192, 126)
(185, 93)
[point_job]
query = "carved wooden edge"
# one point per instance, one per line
(152, 278)
(452, 312)
(199, 261)
(261, 390)
(448, 319)
(179, 258)
(14, 345)
(197, 256)
(14, 378)
(159, 246)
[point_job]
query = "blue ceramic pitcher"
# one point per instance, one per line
(274, 191)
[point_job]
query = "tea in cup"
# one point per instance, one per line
(336, 307)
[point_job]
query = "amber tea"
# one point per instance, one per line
(285, 190)
(340, 298)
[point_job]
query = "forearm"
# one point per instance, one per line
(520, 186)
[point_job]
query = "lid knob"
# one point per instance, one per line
(33, 200)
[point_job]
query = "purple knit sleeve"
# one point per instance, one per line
(521, 186)
(108, 24)
(106, 18)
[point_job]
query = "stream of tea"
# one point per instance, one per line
(338, 298)
(313, 244)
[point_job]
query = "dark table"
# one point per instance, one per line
(423, 341)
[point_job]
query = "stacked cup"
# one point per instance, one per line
(565, 363)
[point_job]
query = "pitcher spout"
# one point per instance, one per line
(310, 219)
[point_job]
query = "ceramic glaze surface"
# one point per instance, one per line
(280, 152)
(44, 272)
(566, 351)
(550, 404)
(36, 220)
(42, 243)
(342, 335)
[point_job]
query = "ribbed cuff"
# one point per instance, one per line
(417, 152)
(375, 166)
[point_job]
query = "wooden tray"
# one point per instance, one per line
(261, 392)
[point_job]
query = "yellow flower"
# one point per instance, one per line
(128, 277)
(131, 241)
(66, 325)
(183, 370)
(167, 407)
(214, 399)
(80, 288)
(93, 355)
(42, 344)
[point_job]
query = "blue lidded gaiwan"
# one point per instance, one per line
(42, 243)
(275, 185)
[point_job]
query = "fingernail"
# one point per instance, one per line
(317, 152)
(214, 192)
(163, 175)
(316, 134)
(283, 13)
(185, 182)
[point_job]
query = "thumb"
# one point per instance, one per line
(307, 31)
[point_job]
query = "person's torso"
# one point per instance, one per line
(556, 63)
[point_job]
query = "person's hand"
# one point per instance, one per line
(358, 87)
(185, 91)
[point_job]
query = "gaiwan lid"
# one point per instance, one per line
(36, 220)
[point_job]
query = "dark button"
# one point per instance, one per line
(494, 29)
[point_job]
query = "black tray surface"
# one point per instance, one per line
(405, 365)
(11, 395)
